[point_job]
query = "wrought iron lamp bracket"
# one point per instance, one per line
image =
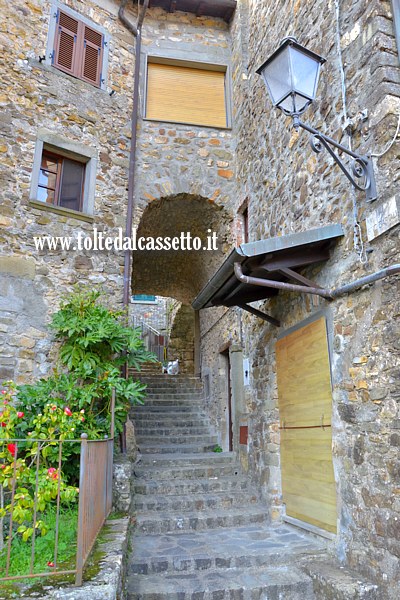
(361, 166)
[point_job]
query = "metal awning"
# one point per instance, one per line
(276, 259)
(223, 9)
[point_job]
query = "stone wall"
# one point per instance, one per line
(290, 189)
(40, 100)
(181, 343)
(36, 96)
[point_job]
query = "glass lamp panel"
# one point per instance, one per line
(295, 103)
(277, 75)
(305, 71)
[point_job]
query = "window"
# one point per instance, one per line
(77, 46)
(63, 175)
(61, 181)
(245, 216)
(186, 94)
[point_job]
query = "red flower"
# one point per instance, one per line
(20, 414)
(12, 448)
(50, 564)
(53, 473)
(68, 411)
(3, 466)
(3, 392)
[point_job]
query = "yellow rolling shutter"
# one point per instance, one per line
(186, 95)
(305, 402)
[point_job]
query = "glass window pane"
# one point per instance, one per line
(49, 163)
(47, 179)
(72, 184)
(45, 195)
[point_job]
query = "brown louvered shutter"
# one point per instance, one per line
(92, 56)
(65, 43)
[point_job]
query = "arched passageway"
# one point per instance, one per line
(180, 274)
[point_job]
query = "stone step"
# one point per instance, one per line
(331, 580)
(171, 410)
(177, 389)
(281, 583)
(199, 521)
(153, 421)
(191, 486)
(151, 448)
(142, 430)
(256, 546)
(176, 460)
(156, 439)
(164, 378)
(193, 502)
(172, 401)
(210, 471)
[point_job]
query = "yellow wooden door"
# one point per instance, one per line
(305, 403)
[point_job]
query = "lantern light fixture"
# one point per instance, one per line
(291, 76)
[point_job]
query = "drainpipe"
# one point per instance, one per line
(136, 30)
(329, 294)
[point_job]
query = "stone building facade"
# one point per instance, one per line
(254, 177)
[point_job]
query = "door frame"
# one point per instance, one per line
(327, 313)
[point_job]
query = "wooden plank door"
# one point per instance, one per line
(305, 405)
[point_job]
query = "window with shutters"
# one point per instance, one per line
(61, 181)
(190, 93)
(78, 48)
(63, 175)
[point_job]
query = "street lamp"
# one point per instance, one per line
(291, 75)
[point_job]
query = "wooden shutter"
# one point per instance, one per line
(186, 95)
(305, 410)
(92, 56)
(66, 43)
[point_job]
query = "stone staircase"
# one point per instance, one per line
(201, 532)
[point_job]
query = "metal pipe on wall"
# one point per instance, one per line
(329, 294)
(134, 122)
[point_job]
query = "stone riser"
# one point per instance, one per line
(165, 409)
(176, 439)
(238, 584)
(170, 431)
(190, 487)
(177, 564)
(172, 400)
(193, 503)
(197, 522)
(187, 472)
(153, 421)
(206, 460)
(177, 449)
(174, 389)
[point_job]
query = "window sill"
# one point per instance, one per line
(226, 128)
(65, 212)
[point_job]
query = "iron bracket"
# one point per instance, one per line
(361, 167)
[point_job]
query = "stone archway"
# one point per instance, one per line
(179, 274)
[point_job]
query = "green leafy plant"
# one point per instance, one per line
(217, 449)
(95, 343)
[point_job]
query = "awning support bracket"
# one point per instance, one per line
(260, 315)
(299, 278)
